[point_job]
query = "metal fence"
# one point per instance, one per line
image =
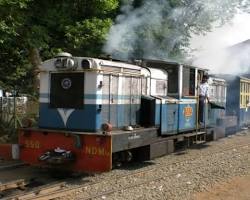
(13, 110)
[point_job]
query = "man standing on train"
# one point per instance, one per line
(203, 96)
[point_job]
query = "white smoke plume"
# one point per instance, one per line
(230, 60)
(226, 49)
(157, 29)
(125, 35)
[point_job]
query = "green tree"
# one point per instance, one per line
(13, 66)
(34, 30)
(87, 36)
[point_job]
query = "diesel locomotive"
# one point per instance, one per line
(97, 112)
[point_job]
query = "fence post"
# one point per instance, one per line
(1, 108)
(14, 114)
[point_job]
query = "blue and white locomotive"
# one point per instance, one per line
(95, 112)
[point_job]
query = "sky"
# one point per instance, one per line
(231, 33)
(211, 51)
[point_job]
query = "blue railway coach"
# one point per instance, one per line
(218, 95)
(238, 99)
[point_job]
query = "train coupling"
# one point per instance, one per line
(57, 156)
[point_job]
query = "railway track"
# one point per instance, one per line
(130, 186)
(13, 184)
(138, 179)
(41, 192)
(12, 165)
(62, 189)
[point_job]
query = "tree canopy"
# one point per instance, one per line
(48, 27)
(32, 29)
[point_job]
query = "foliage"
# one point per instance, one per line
(139, 28)
(13, 65)
(87, 36)
(51, 26)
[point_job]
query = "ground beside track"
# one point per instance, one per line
(236, 188)
(182, 176)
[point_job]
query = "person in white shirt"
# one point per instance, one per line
(203, 96)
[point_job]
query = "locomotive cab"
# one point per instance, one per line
(177, 111)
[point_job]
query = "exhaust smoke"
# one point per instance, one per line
(226, 49)
(160, 29)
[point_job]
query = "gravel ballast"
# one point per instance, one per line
(175, 176)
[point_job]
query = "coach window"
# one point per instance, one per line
(188, 87)
(222, 93)
(219, 92)
(172, 86)
(248, 90)
(244, 94)
(241, 94)
(212, 90)
(144, 86)
(247, 94)
(161, 87)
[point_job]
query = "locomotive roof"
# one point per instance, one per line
(115, 63)
(95, 63)
(229, 77)
(173, 63)
(136, 65)
(217, 79)
(245, 78)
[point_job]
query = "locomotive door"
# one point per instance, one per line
(131, 94)
(113, 101)
(126, 94)
(135, 100)
(105, 99)
(110, 99)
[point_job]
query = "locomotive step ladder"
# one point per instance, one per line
(195, 138)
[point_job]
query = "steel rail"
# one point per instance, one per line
(47, 189)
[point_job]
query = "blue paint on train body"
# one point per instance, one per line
(244, 117)
(176, 117)
(169, 119)
(187, 117)
(158, 114)
(233, 104)
(90, 118)
(87, 119)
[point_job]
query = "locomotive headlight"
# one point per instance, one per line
(86, 64)
(70, 63)
(65, 64)
(58, 63)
